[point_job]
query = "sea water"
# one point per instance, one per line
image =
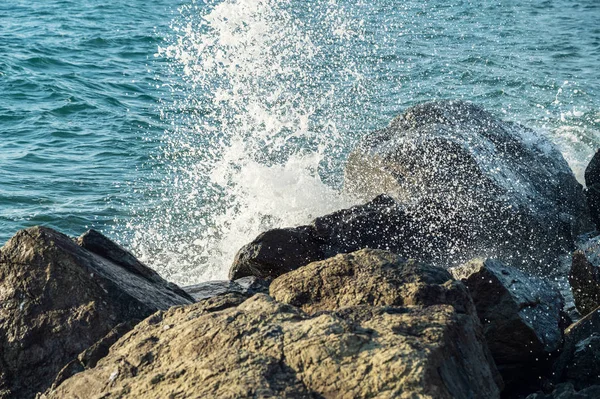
(182, 129)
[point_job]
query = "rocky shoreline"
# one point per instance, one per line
(442, 284)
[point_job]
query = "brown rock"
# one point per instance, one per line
(369, 277)
(263, 349)
(57, 299)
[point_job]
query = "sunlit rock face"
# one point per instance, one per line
(494, 188)
(368, 324)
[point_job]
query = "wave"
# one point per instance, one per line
(256, 140)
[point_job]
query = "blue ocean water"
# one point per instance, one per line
(184, 128)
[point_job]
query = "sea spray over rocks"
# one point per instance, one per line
(254, 130)
(464, 184)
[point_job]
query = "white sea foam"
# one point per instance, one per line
(253, 133)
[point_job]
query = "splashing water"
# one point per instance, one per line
(269, 96)
(252, 133)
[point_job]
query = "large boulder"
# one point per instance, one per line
(493, 188)
(57, 299)
(521, 315)
(369, 277)
(375, 344)
(380, 223)
(579, 362)
(584, 276)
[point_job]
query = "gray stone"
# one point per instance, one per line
(567, 391)
(369, 277)
(521, 317)
(489, 187)
(246, 285)
(584, 276)
(579, 362)
(263, 348)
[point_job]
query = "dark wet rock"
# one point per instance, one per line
(579, 362)
(491, 188)
(592, 192)
(246, 285)
(378, 224)
(369, 277)
(567, 391)
(584, 276)
(57, 299)
(275, 252)
(263, 348)
(521, 316)
(99, 244)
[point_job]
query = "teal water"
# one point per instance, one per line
(182, 128)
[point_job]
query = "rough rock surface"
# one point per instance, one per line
(494, 188)
(246, 285)
(584, 277)
(266, 349)
(521, 316)
(369, 277)
(97, 243)
(579, 362)
(364, 346)
(57, 299)
(378, 224)
(567, 391)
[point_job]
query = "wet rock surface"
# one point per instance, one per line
(579, 362)
(492, 188)
(584, 276)
(249, 286)
(379, 224)
(57, 299)
(592, 192)
(263, 348)
(567, 391)
(521, 316)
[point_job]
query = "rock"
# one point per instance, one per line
(592, 192)
(369, 277)
(521, 317)
(584, 276)
(567, 391)
(57, 299)
(378, 224)
(263, 348)
(579, 362)
(246, 285)
(94, 353)
(490, 188)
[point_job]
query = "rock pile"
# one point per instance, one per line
(357, 304)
